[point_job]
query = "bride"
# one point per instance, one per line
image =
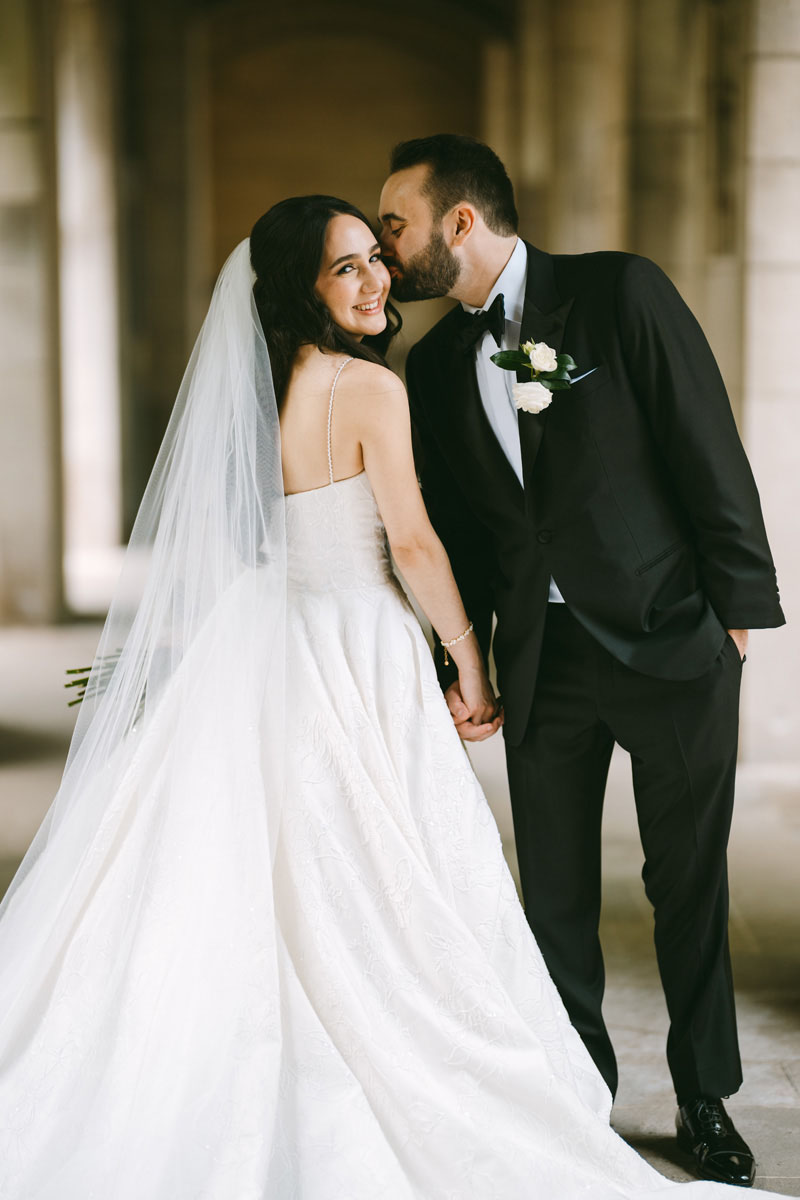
(265, 945)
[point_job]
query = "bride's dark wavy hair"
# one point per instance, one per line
(286, 248)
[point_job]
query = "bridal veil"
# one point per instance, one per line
(147, 892)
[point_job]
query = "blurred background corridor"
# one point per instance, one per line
(140, 140)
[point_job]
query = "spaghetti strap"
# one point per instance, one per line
(330, 416)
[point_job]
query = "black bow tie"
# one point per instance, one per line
(472, 326)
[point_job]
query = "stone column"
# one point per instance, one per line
(534, 97)
(720, 304)
(87, 227)
(573, 65)
(588, 151)
(499, 102)
(30, 526)
(686, 159)
(667, 153)
(153, 231)
(771, 737)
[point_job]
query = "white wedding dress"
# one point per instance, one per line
(369, 1018)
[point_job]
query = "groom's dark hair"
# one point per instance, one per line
(462, 168)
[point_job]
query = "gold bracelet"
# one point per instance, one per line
(453, 641)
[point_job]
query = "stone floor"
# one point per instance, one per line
(35, 725)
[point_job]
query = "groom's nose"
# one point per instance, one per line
(388, 258)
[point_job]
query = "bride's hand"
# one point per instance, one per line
(476, 712)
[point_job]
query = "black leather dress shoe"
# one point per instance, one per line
(707, 1132)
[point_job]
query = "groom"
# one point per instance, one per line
(617, 536)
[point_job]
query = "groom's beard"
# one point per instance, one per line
(430, 273)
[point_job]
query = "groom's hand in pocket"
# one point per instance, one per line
(740, 637)
(476, 713)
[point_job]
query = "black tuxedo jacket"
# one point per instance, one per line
(638, 496)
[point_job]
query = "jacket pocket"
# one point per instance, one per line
(651, 562)
(596, 379)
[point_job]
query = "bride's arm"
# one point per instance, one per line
(379, 406)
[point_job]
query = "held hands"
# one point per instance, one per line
(475, 709)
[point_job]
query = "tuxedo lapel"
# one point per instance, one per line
(468, 423)
(460, 408)
(543, 319)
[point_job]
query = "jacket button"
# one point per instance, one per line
(544, 536)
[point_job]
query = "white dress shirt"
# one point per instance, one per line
(495, 384)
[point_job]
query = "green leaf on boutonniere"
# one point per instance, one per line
(554, 385)
(561, 373)
(511, 360)
(566, 361)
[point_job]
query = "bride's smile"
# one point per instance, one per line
(353, 281)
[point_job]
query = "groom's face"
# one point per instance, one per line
(420, 261)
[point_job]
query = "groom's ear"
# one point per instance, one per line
(462, 219)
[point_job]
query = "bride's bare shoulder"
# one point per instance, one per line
(373, 399)
(362, 377)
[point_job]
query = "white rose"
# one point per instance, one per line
(531, 397)
(542, 356)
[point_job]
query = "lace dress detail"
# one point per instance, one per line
(399, 1035)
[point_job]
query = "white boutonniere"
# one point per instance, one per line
(550, 372)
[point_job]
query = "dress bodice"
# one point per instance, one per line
(335, 537)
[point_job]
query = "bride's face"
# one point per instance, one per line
(353, 283)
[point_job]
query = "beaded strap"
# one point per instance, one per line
(330, 416)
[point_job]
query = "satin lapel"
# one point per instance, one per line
(543, 319)
(469, 425)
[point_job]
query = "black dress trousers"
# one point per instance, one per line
(682, 738)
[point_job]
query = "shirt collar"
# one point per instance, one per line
(511, 282)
